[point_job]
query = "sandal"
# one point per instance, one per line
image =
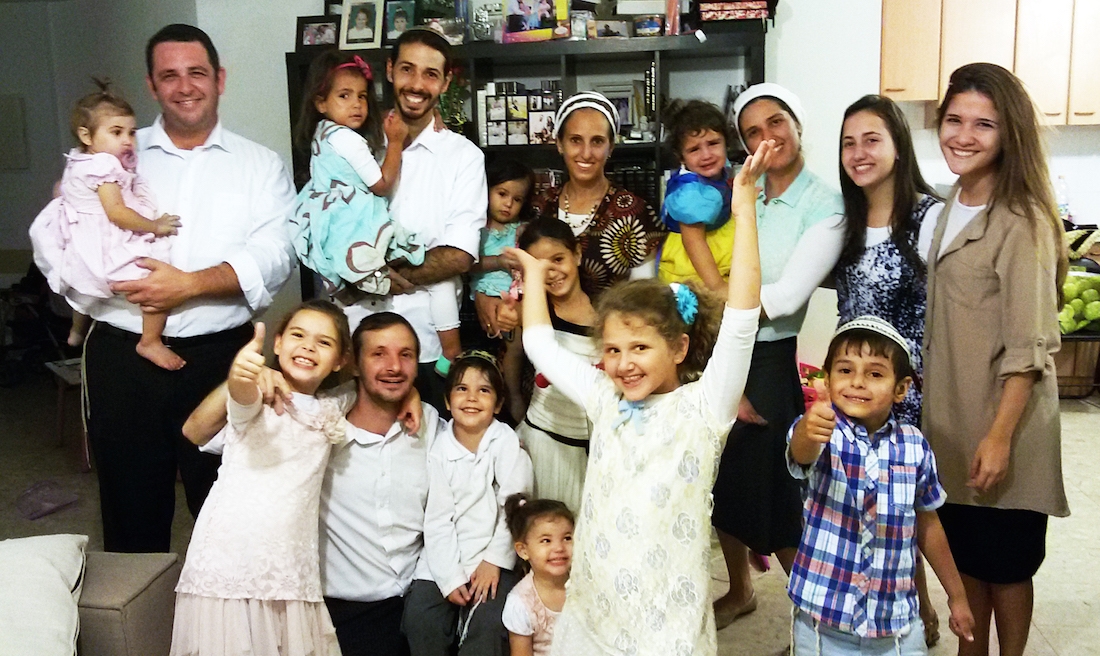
(723, 617)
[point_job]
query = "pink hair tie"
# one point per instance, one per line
(357, 62)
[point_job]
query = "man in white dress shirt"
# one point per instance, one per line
(374, 495)
(230, 258)
(441, 195)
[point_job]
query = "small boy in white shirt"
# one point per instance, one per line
(475, 464)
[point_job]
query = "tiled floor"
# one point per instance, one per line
(1067, 588)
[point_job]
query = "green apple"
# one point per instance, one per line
(1089, 295)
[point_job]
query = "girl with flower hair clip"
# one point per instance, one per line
(640, 583)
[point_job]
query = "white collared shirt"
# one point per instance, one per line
(372, 511)
(464, 523)
(441, 196)
(233, 197)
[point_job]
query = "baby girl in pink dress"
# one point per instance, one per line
(97, 229)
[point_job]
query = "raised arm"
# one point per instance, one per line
(396, 132)
(573, 375)
(725, 375)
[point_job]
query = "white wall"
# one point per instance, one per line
(26, 70)
(252, 37)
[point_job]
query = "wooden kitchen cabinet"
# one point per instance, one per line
(1044, 31)
(911, 49)
(1084, 71)
(976, 31)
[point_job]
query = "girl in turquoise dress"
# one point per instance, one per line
(342, 227)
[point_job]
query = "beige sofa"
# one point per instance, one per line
(127, 604)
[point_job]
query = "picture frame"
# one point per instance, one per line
(608, 29)
(540, 128)
(400, 16)
(333, 7)
(517, 133)
(316, 32)
(497, 133)
(361, 25)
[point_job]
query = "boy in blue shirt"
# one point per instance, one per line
(870, 499)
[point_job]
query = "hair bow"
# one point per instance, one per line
(357, 62)
(687, 303)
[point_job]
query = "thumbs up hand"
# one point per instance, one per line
(246, 369)
(814, 430)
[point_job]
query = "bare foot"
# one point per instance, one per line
(76, 338)
(160, 355)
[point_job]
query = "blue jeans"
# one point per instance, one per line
(808, 638)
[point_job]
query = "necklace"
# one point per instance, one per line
(576, 225)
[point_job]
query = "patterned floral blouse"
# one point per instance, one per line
(884, 284)
(623, 233)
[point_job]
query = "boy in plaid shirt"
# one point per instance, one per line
(870, 499)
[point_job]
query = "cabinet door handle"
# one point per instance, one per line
(1052, 113)
(894, 90)
(1083, 113)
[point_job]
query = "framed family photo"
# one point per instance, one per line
(317, 32)
(400, 16)
(361, 25)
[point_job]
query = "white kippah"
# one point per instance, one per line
(880, 326)
(766, 90)
(587, 100)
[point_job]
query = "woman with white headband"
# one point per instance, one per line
(757, 505)
(618, 231)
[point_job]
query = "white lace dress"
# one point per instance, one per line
(640, 582)
(252, 583)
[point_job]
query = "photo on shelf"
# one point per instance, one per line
(609, 29)
(623, 97)
(400, 16)
(496, 108)
(534, 102)
(317, 32)
(535, 20)
(517, 108)
(333, 8)
(517, 133)
(540, 128)
(497, 133)
(452, 29)
(361, 25)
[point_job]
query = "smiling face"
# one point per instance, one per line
(864, 386)
(970, 137)
(346, 102)
(506, 200)
(867, 151)
(387, 363)
(704, 153)
(764, 119)
(361, 19)
(473, 402)
(187, 87)
(548, 546)
(563, 272)
(309, 349)
(418, 80)
(585, 145)
(638, 359)
(114, 134)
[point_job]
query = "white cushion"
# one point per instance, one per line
(40, 582)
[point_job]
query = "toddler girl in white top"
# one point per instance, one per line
(474, 464)
(640, 581)
(543, 531)
(95, 231)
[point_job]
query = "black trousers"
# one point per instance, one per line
(369, 628)
(135, 413)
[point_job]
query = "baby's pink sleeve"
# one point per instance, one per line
(103, 168)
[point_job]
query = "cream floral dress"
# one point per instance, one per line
(251, 583)
(640, 582)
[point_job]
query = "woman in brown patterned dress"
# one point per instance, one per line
(618, 232)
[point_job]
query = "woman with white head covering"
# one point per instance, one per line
(618, 231)
(757, 504)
